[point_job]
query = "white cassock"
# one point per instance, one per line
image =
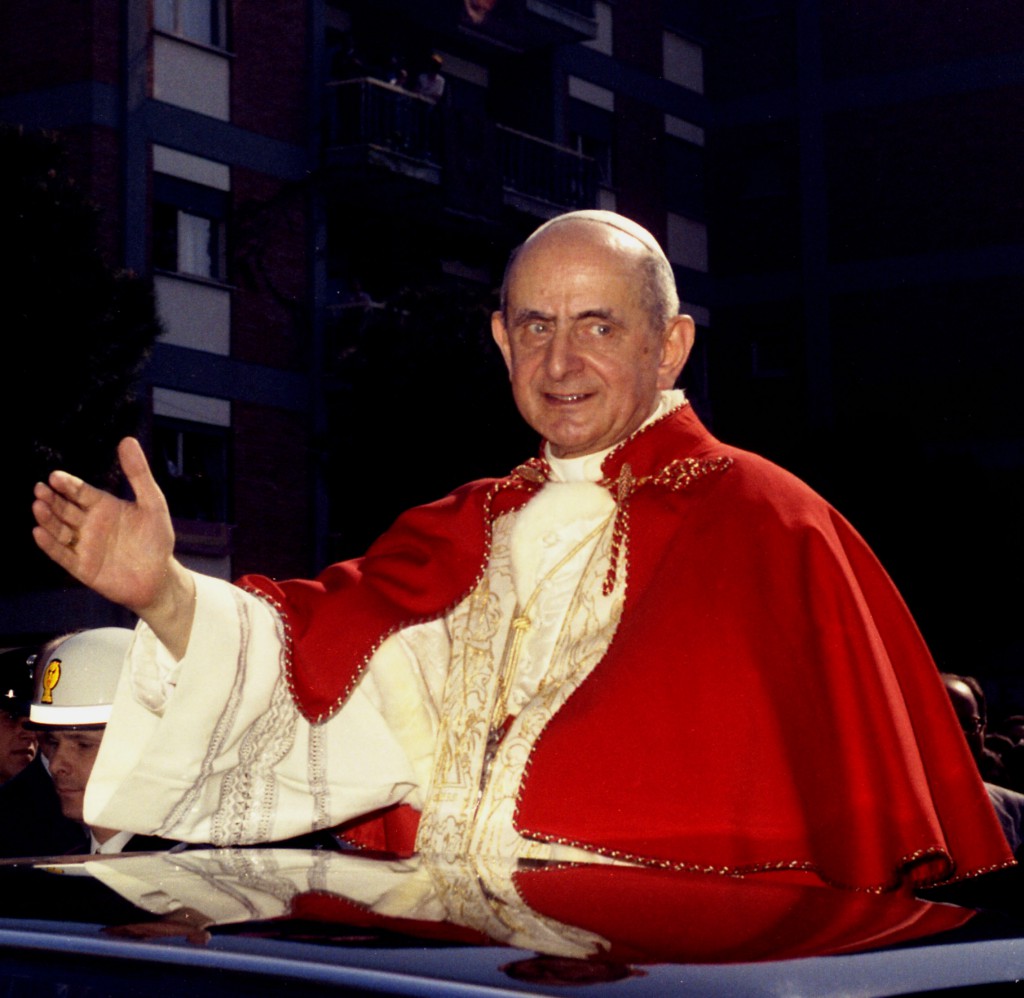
(212, 748)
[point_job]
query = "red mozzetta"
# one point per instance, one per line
(767, 702)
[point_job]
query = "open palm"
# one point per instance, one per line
(121, 549)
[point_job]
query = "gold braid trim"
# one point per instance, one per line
(527, 477)
(535, 471)
(900, 877)
(675, 476)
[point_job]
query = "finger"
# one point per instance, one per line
(60, 532)
(46, 517)
(42, 491)
(50, 507)
(137, 471)
(53, 549)
(73, 489)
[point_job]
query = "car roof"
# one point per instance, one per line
(249, 920)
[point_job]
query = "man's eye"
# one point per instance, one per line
(537, 328)
(600, 329)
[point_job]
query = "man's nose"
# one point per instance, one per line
(57, 759)
(26, 734)
(563, 355)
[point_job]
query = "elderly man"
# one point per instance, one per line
(536, 665)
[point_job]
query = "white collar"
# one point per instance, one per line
(115, 843)
(588, 467)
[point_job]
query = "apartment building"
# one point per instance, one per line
(325, 231)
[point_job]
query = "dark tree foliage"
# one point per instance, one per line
(76, 332)
(425, 406)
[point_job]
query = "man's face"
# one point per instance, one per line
(70, 756)
(968, 714)
(584, 361)
(17, 745)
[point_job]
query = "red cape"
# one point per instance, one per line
(767, 701)
(658, 916)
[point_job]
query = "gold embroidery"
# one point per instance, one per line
(480, 891)
(520, 626)
(472, 798)
(676, 475)
(535, 470)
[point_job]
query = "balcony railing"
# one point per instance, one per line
(534, 173)
(582, 8)
(373, 113)
(524, 25)
(547, 172)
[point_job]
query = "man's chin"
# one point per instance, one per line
(569, 445)
(568, 437)
(71, 803)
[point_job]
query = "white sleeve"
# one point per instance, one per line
(242, 886)
(212, 749)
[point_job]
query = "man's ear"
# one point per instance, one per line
(500, 334)
(676, 347)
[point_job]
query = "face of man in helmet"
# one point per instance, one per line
(70, 754)
(17, 745)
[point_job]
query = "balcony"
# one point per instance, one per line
(376, 124)
(520, 25)
(542, 178)
(533, 24)
(386, 137)
(575, 19)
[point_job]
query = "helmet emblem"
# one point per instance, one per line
(51, 677)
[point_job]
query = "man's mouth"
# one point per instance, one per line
(566, 398)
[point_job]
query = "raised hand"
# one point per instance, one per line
(124, 550)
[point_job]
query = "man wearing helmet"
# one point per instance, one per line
(18, 743)
(72, 697)
(30, 817)
(32, 822)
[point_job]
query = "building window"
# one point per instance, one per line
(678, 128)
(189, 228)
(591, 93)
(603, 15)
(600, 151)
(683, 62)
(202, 21)
(687, 242)
(191, 466)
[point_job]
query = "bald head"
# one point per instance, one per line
(659, 296)
(601, 217)
(968, 700)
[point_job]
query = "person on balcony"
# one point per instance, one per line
(429, 82)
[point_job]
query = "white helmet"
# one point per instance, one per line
(75, 678)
